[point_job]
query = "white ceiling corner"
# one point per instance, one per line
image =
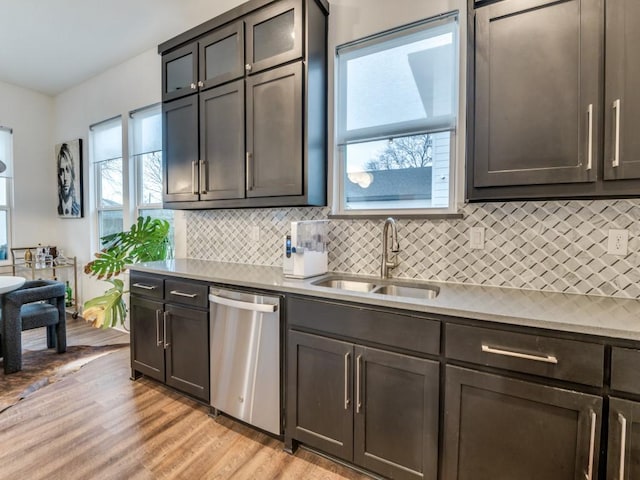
(51, 45)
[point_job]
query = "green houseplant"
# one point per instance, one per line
(147, 240)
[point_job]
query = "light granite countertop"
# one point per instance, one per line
(592, 315)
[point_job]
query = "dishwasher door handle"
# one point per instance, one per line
(256, 307)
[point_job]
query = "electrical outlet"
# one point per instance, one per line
(618, 242)
(476, 238)
(254, 234)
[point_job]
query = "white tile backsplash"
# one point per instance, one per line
(556, 246)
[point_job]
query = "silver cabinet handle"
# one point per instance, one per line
(592, 446)
(158, 339)
(623, 444)
(193, 86)
(249, 172)
(200, 83)
(347, 401)
(144, 287)
(616, 141)
(193, 178)
(166, 319)
(508, 353)
(358, 386)
(203, 184)
(248, 67)
(182, 294)
(590, 136)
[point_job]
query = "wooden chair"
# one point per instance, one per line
(38, 303)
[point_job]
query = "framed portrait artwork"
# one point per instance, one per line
(69, 172)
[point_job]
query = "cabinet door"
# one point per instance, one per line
(222, 56)
(180, 149)
(180, 72)
(274, 132)
(274, 35)
(497, 428)
(319, 393)
(622, 96)
(623, 453)
(396, 414)
(147, 335)
(537, 92)
(187, 350)
(222, 142)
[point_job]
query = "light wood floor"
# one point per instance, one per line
(98, 424)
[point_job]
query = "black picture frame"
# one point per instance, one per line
(69, 175)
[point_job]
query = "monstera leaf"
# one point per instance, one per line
(107, 310)
(146, 241)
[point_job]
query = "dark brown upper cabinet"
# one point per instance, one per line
(274, 36)
(544, 123)
(222, 56)
(622, 96)
(180, 72)
(250, 138)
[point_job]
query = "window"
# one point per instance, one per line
(6, 174)
(106, 156)
(396, 120)
(146, 152)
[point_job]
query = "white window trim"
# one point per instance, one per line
(457, 145)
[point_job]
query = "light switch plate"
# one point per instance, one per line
(618, 242)
(254, 234)
(476, 238)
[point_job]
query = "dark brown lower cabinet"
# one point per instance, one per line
(147, 352)
(171, 344)
(498, 428)
(374, 408)
(623, 453)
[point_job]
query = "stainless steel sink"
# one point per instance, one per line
(414, 291)
(344, 284)
(383, 287)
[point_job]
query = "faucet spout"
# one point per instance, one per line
(388, 263)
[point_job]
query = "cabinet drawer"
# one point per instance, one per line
(625, 375)
(185, 292)
(366, 325)
(570, 360)
(146, 285)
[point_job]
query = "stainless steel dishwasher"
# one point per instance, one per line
(245, 357)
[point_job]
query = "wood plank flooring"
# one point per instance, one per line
(98, 424)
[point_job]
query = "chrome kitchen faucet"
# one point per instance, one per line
(387, 263)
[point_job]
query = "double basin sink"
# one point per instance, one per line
(383, 287)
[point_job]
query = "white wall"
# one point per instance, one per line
(29, 114)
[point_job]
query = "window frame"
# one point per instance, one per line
(97, 176)
(376, 43)
(7, 177)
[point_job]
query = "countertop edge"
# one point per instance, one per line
(273, 281)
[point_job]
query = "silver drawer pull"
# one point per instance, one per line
(623, 444)
(525, 356)
(182, 294)
(592, 445)
(590, 136)
(616, 141)
(145, 287)
(347, 401)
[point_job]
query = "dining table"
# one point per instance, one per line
(9, 283)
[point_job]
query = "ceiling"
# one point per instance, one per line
(51, 45)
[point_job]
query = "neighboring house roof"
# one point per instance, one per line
(415, 183)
